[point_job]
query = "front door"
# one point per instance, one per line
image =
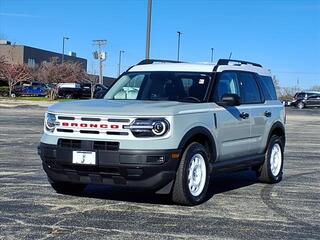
(232, 123)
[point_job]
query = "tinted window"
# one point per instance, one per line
(249, 88)
(227, 83)
(161, 86)
(267, 87)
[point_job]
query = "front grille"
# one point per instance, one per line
(68, 143)
(102, 145)
(95, 145)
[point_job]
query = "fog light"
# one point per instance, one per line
(156, 159)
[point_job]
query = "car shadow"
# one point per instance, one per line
(221, 183)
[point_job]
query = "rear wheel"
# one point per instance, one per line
(192, 177)
(67, 188)
(271, 170)
(300, 105)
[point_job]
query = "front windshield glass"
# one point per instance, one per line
(160, 86)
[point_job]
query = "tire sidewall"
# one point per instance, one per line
(300, 105)
(274, 140)
(191, 150)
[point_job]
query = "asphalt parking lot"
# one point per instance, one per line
(239, 207)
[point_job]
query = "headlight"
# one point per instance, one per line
(50, 122)
(143, 127)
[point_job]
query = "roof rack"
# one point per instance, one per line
(151, 61)
(226, 62)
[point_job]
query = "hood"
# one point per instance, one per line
(122, 107)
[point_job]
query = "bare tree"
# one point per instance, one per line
(13, 73)
(54, 73)
(276, 84)
(315, 88)
(93, 80)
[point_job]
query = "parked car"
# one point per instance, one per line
(168, 128)
(306, 99)
(30, 89)
(80, 90)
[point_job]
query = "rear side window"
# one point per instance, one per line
(267, 87)
(248, 88)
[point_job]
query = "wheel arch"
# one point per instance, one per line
(204, 137)
(277, 129)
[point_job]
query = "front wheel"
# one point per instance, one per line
(192, 178)
(271, 170)
(300, 105)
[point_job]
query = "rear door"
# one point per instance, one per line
(233, 131)
(313, 100)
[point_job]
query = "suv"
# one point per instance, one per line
(306, 99)
(168, 127)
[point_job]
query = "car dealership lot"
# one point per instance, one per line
(238, 206)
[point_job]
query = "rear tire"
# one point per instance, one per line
(271, 169)
(192, 178)
(300, 105)
(67, 188)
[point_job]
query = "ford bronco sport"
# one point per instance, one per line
(168, 127)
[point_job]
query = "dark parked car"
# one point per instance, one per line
(30, 89)
(306, 99)
(81, 91)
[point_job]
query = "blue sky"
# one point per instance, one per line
(282, 35)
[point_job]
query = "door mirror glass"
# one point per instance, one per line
(230, 99)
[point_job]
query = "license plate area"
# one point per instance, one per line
(84, 157)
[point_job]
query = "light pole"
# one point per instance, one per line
(178, 54)
(119, 69)
(211, 54)
(148, 29)
(64, 38)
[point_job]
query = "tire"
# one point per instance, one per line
(69, 96)
(190, 188)
(271, 170)
(300, 105)
(13, 95)
(67, 188)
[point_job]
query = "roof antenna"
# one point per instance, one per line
(230, 55)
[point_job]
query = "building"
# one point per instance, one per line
(33, 57)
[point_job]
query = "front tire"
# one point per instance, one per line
(300, 105)
(67, 188)
(271, 170)
(192, 178)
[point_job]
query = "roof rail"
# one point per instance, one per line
(226, 62)
(151, 61)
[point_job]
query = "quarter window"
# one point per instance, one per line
(249, 88)
(267, 86)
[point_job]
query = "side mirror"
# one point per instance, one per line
(230, 99)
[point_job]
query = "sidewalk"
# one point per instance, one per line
(12, 103)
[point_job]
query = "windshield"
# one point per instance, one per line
(161, 86)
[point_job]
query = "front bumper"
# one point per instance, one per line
(127, 168)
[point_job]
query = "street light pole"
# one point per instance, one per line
(64, 38)
(178, 54)
(211, 54)
(148, 29)
(119, 69)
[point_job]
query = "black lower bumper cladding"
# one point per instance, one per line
(150, 170)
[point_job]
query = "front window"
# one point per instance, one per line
(161, 86)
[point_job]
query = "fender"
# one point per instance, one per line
(195, 131)
(273, 127)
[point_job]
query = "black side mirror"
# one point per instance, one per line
(230, 99)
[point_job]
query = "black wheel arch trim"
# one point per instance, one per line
(196, 131)
(274, 126)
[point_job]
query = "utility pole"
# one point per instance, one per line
(178, 54)
(119, 69)
(211, 54)
(230, 55)
(62, 57)
(100, 55)
(148, 29)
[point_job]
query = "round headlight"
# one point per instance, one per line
(159, 128)
(50, 122)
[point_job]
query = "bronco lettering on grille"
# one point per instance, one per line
(89, 125)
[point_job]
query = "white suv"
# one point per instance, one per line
(167, 127)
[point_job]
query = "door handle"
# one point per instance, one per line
(267, 114)
(244, 115)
